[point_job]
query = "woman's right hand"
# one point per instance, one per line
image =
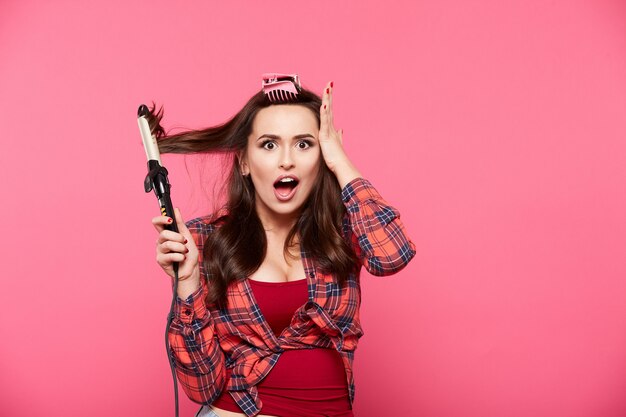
(178, 247)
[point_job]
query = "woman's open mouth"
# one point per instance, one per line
(286, 188)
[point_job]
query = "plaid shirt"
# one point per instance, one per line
(206, 341)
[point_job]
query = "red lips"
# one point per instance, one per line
(286, 176)
(285, 190)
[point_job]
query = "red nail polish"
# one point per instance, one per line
(328, 90)
(331, 83)
(169, 220)
(324, 105)
(185, 240)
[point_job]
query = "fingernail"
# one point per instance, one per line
(331, 83)
(169, 220)
(186, 250)
(185, 240)
(324, 105)
(327, 90)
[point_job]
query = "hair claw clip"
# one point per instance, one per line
(281, 87)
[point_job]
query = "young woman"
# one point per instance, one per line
(267, 315)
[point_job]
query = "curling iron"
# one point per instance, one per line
(157, 180)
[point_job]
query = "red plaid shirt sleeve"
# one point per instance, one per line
(375, 229)
(198, 357)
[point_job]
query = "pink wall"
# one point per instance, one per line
(496, 128)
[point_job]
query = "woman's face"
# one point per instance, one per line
(283, 143)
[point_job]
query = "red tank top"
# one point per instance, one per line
(303, 382)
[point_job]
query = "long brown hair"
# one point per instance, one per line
(238, 247)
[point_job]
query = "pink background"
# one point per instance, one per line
(496, 128)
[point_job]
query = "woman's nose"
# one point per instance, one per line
(286, 159)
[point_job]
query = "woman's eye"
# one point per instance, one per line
(306, 142)
(264, 144)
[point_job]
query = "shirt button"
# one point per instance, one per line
(187, 312)
(311, 274)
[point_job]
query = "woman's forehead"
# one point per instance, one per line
(285, 117)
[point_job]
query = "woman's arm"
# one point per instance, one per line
(372, 225)
(375, 230)
(198, 357)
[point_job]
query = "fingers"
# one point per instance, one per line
(176, 247)
(169, 246)
(327, 100)
(165, 235)
(182, 227)
(166, 259)
(326, 113)
(323, 114)
(159, 222)
(328, 93)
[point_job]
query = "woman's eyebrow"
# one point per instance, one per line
(303, 135)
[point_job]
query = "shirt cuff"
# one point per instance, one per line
(358, 190)
(193, 307)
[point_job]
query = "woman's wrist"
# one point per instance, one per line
(346, 172)
(188, 286)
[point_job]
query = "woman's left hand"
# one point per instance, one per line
(331, 141)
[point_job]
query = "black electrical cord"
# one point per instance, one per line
(170, 353)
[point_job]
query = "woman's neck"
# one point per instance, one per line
(278, 226)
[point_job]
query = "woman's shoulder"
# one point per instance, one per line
(206, 223)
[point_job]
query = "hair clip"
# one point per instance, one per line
(281, 87)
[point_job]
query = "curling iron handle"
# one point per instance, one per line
(167, 210)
